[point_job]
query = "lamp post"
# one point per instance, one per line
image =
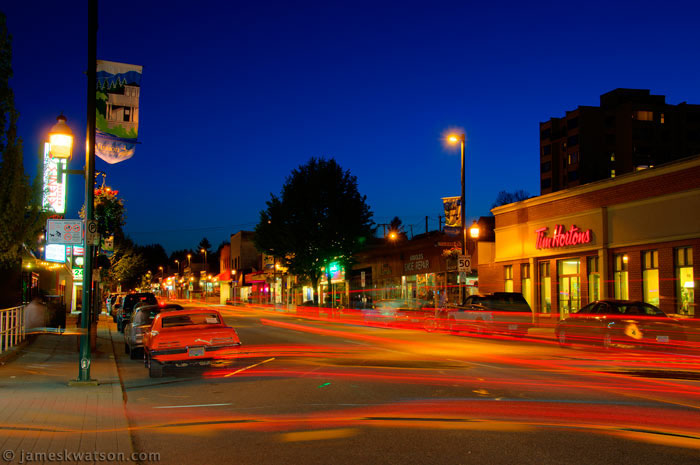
(189, 261)
(206, 289)
(454, 138)
(178, 266)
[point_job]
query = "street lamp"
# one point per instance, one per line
(178, 266)
(61, 139)
(189, 261)
(393, 236)
(453, 139)
(474, 230)
(204, 251)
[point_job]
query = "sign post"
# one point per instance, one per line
(464, 264)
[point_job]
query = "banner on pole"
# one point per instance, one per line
(453, 215)
(117, 114)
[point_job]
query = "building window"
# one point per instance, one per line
(526, 283)
(612, 173)
(645, 115)
(546, 183)
(547, 149)
(593, 279)
(685, 284)
(612, 156)
(569, 286)
(621, 277)
(546, 133)
(545, 288)
(572, 140)
(572, 123)
(650, 276)
(126, 114)
(662, 118)
(573, 158)
(572, 175)
(508, 272)
(546, 167)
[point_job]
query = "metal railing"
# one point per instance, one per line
(12, 330)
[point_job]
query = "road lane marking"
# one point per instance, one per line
(191, 406)
(252, 366)
(318, 435)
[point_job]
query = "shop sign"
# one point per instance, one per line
(562, 238)
(416, 264)
(78, 274)
(54, 197)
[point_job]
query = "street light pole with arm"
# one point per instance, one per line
(461, 138)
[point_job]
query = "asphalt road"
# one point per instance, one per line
(312, 391)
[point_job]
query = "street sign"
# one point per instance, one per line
(64, 232)
(92, 237)
(464, 264)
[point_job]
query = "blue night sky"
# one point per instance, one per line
(237, 94)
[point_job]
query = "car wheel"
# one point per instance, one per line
(127, 349)
(155, 369)
(562, 338)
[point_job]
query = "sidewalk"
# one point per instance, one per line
(40, 413)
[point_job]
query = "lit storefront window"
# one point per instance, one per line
(685, 284)
(650, 277)
(569, 286)
(508, 270)
(593, 279)
(545, 288)
(621, 277)
(526, 283)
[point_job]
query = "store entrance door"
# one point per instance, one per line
(569, 287)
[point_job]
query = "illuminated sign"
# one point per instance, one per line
(416, 263)
(55, 253)
(78, 273)
(336, 271)
(562, 238)
(54, 198)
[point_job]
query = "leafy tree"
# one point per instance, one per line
(21, 215)
(154, 256)
(396, 226)
(320, 217)
(505, 198)
(204, 244)
(128, 265)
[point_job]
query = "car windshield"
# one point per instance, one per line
(191, 319)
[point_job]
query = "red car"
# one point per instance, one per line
(188, 337)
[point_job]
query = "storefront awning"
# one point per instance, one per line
(256, 277)
(224, 276)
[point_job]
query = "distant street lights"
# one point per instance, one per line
(206, 288)
(189, 261)
(178, 266)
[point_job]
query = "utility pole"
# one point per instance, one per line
(426, 224)
(440, 223)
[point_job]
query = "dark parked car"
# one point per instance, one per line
(621, 322)
(140, 322)
(500, 312)
(130, 300)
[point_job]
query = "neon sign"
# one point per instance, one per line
(562, 238)
(54, 198)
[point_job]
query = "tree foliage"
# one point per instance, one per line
(505, 198)
(396, 226)
(21, 215)
(204, 244)
(320, 217)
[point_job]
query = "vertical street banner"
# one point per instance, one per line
(453, 215)
(54, 195)
(117, 118)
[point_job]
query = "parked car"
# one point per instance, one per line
(621, 322)
(140, 322)
(500, 312)
(130, 300)
(188, 337)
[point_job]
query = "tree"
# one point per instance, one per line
(204, 244)
(505, 198)
(21, 215)
(396, 226)
(319, 218)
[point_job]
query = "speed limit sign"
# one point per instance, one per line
(92, 237)
(464, 264)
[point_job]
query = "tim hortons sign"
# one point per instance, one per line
(562, 238)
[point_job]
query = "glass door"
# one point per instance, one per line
(569, 286)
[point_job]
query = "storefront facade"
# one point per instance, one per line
(422, 268)
(632, 237)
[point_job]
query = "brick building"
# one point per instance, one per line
(630, 130)
(636, 236)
